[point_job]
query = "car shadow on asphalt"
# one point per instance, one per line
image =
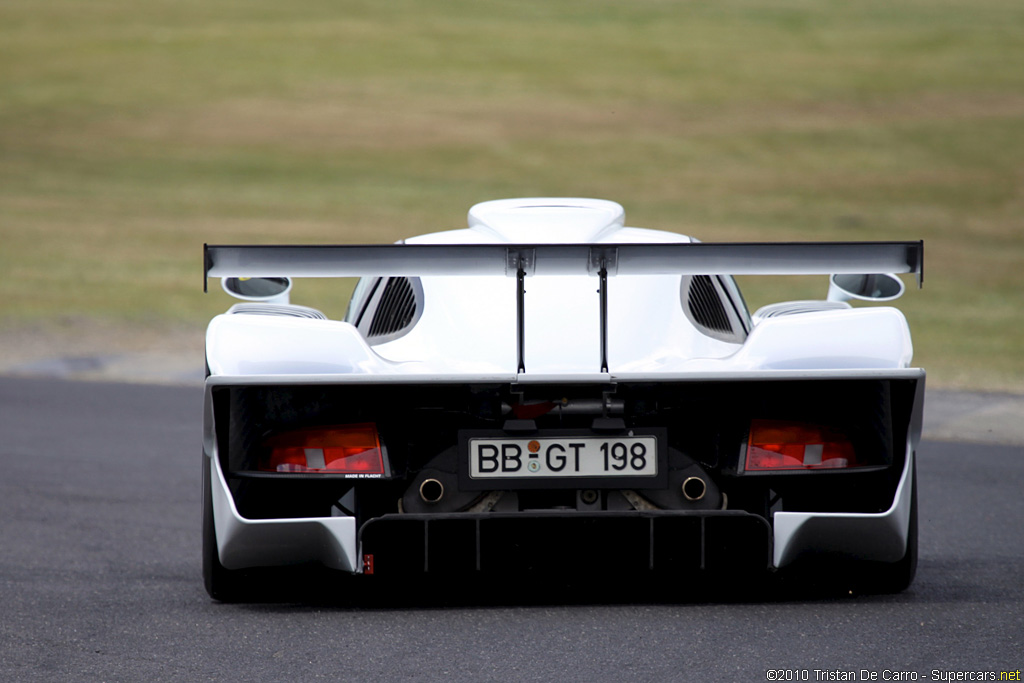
(314, 587)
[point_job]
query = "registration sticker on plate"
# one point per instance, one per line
(556, 457)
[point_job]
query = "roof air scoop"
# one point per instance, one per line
(875, 287)
(547, 220)
(270, 290)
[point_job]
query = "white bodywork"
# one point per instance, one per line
(468, 329)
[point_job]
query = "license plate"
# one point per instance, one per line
(555, 457)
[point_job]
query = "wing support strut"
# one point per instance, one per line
(521, 320)
(602, 292)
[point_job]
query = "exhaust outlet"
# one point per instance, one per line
(694, 488)
(431, 491)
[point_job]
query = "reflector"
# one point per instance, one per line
(344, 449)
(781, 445)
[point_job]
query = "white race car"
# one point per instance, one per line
(549, 392)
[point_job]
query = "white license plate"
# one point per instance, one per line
(554, 457)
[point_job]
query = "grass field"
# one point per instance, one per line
(132, 132)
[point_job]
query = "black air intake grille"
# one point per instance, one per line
(396, 310)
(706, 305)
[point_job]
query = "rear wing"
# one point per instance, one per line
(599, 260)
(677, 258)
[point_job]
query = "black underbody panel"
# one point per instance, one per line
(546, 542)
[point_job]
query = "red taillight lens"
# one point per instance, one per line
(344, 449)
(779, 445)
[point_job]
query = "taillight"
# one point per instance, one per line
(344, 449)
(780, 445)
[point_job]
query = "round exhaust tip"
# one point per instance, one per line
(431, 491)
(694, 488)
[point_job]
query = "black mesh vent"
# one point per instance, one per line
(396, 310)
(706, 305)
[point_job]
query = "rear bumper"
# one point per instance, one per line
(244, 543)
(879, 537)
(662, 541)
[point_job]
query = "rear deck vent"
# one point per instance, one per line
(798, 308)
(706, 305)
(286, 310)
(396, 311)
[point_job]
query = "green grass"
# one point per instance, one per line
(131, 133)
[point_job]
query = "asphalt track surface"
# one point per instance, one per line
(100, 580)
